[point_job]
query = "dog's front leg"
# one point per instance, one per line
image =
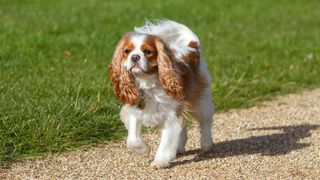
(169, 142)
(133, 125)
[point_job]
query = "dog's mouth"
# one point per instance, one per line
(136, 69)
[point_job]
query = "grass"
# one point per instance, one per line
(54, 91)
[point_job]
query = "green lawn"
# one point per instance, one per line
(51, 100)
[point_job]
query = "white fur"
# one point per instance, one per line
(181, 50)
(160, 109)
(169, 31)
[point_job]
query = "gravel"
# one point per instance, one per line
(277, 139)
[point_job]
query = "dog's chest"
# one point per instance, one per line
(158, 106)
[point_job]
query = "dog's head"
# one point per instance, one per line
(143, 55)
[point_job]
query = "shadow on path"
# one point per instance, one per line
(267, 145)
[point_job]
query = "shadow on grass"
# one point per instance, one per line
(267, 145)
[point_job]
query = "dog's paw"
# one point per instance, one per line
(156, 164)
(206, 147)
(139, 147)
(181, 150)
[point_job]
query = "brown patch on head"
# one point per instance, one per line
(149, 50)
(127, 48)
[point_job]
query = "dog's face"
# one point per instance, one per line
(143, 55)
(140, 54)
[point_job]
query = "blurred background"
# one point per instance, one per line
(54, 90)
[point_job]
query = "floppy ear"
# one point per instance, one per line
(123, 82)
(171, 82)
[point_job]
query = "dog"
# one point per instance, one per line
(158, 73)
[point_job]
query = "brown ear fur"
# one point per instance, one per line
(170, 80)
(123, 81)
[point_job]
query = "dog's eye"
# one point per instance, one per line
(127, 51)
(146, 52)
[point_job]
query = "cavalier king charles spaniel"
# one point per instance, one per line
(159, 75)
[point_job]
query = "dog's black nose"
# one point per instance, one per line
(135, 58)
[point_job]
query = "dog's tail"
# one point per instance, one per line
(170, 32)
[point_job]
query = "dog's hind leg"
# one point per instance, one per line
(204, 116)
(182, 141)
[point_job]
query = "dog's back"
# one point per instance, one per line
(171, 32)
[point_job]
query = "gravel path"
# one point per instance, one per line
(279, 139)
